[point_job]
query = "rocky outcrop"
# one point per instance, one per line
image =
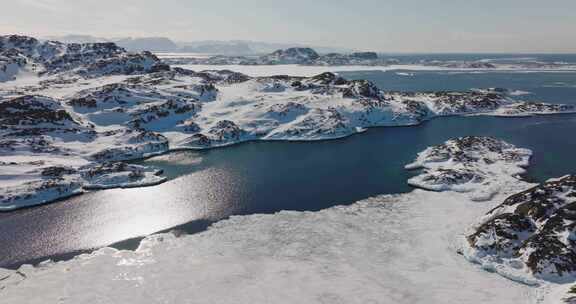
(33, 111)
(533, 230)
(290, 56)
(34, 123)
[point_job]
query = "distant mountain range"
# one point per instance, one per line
(216, 47)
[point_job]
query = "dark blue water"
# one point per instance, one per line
(265, 177)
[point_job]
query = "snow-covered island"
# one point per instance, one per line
(296, 55)
(473, 165)
(70, 112)
(310, 57)
(402, 248)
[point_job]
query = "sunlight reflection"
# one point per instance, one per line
(126, 213)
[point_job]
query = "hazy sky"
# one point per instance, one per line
(384, 25)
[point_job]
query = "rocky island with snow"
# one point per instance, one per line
(68, 109)
(473, 165)
(529, 237)
(297, 55)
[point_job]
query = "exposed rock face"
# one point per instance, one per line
(33, 111)
(31, 123)
(536, 228)
(226, 130)
(328, 79)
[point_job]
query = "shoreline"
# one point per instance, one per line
(230, 144)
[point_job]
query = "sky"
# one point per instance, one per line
(526, 26)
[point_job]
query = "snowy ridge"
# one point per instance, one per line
(361, 253)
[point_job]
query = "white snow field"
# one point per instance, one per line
(388, 249)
